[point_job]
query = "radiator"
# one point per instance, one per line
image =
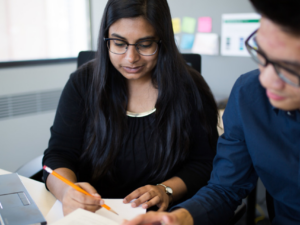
(25, 120)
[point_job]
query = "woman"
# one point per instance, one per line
(137, 122)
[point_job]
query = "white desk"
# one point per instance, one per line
(43, 198)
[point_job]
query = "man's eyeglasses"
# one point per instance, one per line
(143, 47)
(286, 74)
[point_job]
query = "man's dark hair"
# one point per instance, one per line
(283, 12)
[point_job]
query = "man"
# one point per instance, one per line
(261, 129)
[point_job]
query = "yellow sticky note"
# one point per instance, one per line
(188, 25)
(176, 25)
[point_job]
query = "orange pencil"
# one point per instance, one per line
(74, 186)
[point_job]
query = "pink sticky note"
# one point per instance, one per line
(204, 24)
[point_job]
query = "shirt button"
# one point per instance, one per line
(289, 113)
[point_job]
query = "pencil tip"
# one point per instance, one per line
(114, 212)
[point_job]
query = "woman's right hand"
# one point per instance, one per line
(73, 199)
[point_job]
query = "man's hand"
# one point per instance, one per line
(178, 217)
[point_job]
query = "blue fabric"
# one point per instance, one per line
(259, 140)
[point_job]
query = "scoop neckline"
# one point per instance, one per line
(143, 114)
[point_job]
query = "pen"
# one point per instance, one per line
(74, 186)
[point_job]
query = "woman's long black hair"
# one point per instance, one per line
(180, 90)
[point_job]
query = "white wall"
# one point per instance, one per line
(97, 12)
(26, 137)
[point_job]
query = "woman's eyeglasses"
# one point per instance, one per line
(143, 47)
(287, 75)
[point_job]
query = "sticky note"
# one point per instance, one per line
(187, 41)
(176, 25)
(206, 44)
(188, 25)
(204, 24)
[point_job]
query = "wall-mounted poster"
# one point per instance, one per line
(235, 30)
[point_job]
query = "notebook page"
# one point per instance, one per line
(125, 211)
(82, 217)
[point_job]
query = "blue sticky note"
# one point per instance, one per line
(187, 41)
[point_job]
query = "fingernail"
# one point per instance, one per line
(96, 195)
(101, 202)
(133, 204)
(145, 206)
(124, 200)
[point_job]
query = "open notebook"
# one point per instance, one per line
(125, 211)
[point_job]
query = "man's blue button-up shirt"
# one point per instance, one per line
(258, 140)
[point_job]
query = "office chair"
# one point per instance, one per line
(270, 206)
(32, 169)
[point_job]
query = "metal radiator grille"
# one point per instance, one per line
(23, 104)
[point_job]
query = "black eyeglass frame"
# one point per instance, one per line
(275, 65)
(135, 45)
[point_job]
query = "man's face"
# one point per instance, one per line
(283, 48)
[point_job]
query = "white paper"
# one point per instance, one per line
(206, 44)
(236, 28)
(55, 213)
(125, 211)
(82, 217)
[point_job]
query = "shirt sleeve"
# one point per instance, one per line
(67, 133)
(196, 171)
(233, 175)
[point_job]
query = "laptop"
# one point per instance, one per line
(16, 205)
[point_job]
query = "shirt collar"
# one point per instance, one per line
(294, 113)
(275, 110)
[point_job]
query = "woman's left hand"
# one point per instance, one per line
(148, 196)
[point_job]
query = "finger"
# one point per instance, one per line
(148, 218)
(72, 205)
(91, 208)
(169, 219)
(135, 194)
(89, 188)
(163, 207)
(154, 201)
(144, 198)
(83, 198)
(124, 221)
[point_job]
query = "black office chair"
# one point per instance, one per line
(270, 206)
(238, 214)
(32, 169)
